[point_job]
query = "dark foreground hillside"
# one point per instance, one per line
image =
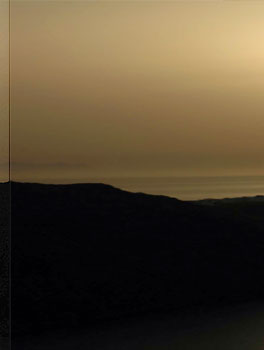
(4, 259)
(92, 254)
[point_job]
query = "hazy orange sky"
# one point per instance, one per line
(4, 91)
(137, 89)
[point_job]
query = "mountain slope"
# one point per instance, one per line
(90, 253)
(4, 259)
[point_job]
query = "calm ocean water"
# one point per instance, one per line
(191, 188)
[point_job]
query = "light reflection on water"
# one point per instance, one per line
(192, 188)
(237, 328)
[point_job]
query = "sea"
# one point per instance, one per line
(190, 188)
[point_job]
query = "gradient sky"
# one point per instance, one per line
(137, 89)
(4, 91)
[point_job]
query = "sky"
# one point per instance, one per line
(149, 88)
(4, 91)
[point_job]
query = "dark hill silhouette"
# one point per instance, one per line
(91, 253)
(4, 259)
